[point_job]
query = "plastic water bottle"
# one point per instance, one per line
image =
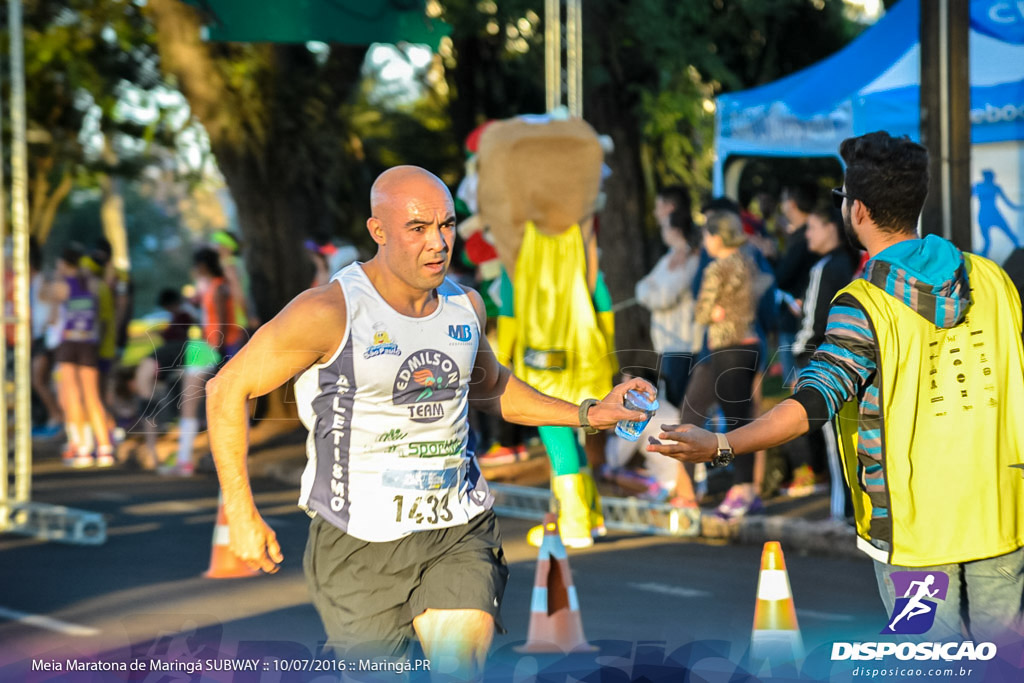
(635, 400)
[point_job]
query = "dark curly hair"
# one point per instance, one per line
(889, 176)
(804, 195)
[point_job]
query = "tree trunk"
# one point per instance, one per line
(282, 140)
(280, 137)
(621, 234)
(112, 218)
(623, 238)
(46, 204)
(273, 231)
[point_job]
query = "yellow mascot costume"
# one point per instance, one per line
(537, 188)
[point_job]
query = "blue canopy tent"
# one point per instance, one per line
(874, 84)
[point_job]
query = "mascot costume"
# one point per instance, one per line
(537, 183)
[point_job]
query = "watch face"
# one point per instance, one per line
(722, 458)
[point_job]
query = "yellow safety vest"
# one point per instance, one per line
(952, 407)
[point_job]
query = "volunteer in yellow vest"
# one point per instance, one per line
(558, 337)
(923, 369)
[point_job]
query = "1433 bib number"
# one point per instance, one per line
(427, 509)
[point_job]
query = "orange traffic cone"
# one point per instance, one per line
(224, 564)
(555, 624)
(776, 635)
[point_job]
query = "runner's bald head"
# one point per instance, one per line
(396, 186)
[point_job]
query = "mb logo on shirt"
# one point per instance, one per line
(914, 612)
(461, 333)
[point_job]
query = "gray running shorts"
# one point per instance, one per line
(368, 593)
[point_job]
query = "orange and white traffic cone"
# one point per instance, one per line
(776, 636)
(224, 564)
(555, 623)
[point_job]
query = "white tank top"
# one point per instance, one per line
(388, 447)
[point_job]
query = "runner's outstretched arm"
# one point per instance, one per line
(495, 389)
(306, 332)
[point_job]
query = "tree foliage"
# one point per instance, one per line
(651, 70)
(82, 58)
(279, 124)
(299, 134)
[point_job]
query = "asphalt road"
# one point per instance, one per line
(651, 604)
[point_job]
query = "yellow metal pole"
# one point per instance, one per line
(20, 231)
(553, 53)
(574, 56)
(5, 517)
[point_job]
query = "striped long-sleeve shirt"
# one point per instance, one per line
(844, 367)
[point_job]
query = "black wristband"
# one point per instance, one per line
(585, 407)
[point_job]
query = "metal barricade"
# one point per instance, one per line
(620, 514)
(57, 523)
(17, 513)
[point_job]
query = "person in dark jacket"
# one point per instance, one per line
(834, 269)
(793, 269)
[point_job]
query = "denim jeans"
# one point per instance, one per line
(985, 600)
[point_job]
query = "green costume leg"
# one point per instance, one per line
(564, 449)
(573, 487)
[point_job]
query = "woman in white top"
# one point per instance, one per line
(667, 292)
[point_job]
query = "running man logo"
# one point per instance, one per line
(426, 380)
(914, 613)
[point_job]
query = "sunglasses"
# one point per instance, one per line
(837, 198)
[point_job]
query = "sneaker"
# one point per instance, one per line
(49, 431)
(173, 468)
(105, 460)
(735, 506)
(535, 537)
(168, 465)
(67, 458)
(81, 460)
(498, 455)
(805, 483)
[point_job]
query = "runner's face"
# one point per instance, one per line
(421, 232)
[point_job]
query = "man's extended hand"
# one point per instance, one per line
(692, 444)
(255, 543)
(611, 409)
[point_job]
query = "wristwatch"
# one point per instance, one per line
(585, 407)
(724, 455)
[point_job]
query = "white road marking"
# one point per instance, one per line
(47, 622)
(824, 616)
(678, 591)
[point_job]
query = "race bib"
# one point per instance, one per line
(422, 499)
